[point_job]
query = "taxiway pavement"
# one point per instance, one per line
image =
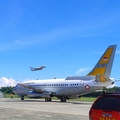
(37, 109)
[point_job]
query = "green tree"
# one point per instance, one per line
(96, 94)
(7, 90)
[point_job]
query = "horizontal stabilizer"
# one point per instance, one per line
(102, 78)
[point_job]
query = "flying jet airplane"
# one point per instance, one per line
(39, 68)
(73, 86)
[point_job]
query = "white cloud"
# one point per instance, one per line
(17, 42)
(7, 82)
(82, 70)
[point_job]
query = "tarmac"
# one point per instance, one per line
(38, 109)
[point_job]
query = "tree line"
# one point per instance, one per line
(96, 94)
(9, 90)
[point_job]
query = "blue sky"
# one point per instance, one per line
(68, 36)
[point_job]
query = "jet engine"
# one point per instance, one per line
(37, 95)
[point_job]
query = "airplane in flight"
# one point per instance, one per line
(72, 86)
(39, 68)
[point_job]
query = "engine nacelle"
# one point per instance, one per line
(37, 95)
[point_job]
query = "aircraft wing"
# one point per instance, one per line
(35, 89)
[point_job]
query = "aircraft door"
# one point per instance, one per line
(82, 83)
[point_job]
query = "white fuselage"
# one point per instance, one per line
(62, 87)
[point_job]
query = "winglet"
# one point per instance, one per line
(104, 65)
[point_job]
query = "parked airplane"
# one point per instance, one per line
(73, 86)
(39, 68)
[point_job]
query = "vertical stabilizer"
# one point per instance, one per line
(104, 65)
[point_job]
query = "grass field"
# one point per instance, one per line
(86, 99)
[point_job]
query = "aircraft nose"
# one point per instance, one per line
(14, 89)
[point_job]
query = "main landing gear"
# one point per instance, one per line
(48, 99)
(63, 99)
(22, 97)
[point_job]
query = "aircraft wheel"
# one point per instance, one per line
(22, 98)
(63, 99)
(48, 99)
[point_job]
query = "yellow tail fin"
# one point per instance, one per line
(104, 65)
